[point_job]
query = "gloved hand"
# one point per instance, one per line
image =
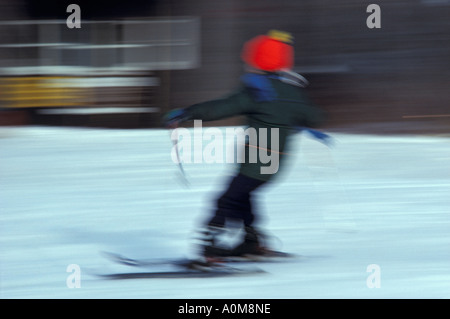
(173, 118)
(322, 137)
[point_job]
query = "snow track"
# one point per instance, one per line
(68, 193)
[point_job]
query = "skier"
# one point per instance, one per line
(271, 96)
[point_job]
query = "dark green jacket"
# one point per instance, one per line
(268, 103)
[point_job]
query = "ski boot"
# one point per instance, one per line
(214, 244)
(211, 243)
(252, 244)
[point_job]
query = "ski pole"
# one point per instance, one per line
(174, 138)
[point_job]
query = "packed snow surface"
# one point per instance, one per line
(368, 217)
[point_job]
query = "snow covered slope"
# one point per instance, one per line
(374, 211)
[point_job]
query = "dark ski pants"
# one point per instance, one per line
(236, 201)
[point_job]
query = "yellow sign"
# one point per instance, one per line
(40, 91)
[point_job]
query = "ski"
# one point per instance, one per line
(268, 257)
(123, 260)
(179, 274)
(185, 268)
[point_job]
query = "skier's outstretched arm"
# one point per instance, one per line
(308, 114)
(235, 104)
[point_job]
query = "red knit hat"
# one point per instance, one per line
(271, 52)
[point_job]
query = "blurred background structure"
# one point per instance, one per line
(133, 60)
